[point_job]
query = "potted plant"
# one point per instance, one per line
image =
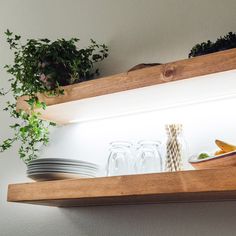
(222, 43)
(43, 66)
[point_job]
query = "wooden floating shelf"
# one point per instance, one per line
(58, 107)
(184, 186)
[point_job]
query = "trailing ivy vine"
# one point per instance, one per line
(42, 66)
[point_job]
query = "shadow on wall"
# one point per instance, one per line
(203, 219)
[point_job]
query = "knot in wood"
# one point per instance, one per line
(168, 72)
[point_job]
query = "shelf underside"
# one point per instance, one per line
(64, 108)
(185, 186)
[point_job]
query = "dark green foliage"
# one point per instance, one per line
(222, 43)
(42, 66)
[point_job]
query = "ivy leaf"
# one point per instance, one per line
(14, 126)
(8, 33)
(43, 66)
(43, 105)
(17, 37)
(30, 101)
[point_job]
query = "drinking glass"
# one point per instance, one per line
(121, 159)
(149, 159)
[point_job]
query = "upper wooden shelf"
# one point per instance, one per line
(185, 186)
(174, 71)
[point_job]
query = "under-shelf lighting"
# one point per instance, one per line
(203, 89)
(187, 103)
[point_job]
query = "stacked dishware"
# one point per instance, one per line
(59, 168)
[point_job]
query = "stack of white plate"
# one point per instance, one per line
(57, 168)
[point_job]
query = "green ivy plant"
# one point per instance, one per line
(42, 66)
(223, 43)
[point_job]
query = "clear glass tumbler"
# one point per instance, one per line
(121, 159)
(149, 159)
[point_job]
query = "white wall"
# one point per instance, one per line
(136, 31)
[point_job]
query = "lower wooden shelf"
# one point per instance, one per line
(183, 186)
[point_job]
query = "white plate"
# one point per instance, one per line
(52, 165)
(46, 165)
(56, 176)
(73, 172)
(61, 171)
(63, 168)
(61, 161)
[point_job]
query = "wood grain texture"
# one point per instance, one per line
(184, 186)
(179, 70)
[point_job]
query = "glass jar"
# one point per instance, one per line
(121, 159)
(148, 158)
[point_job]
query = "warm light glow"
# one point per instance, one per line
(203, 89)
